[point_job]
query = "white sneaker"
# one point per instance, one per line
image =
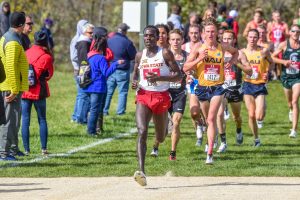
(293, 134)
(291, 116)
(222, 147)
(260, 124)
(206, 148)
(199, 131)
(226, 115)
(209, 160)
(154, 152)
(199, 142)
(140, 178)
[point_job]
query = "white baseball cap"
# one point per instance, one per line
(233, 13)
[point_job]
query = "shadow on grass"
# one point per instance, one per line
(225, 184)
(22, 190)
(17, 184)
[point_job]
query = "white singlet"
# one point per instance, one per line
(156, 65)
(187, 47)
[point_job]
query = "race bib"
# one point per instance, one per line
(175, 85)
(277, 34)
(212, 72)
(230, 78)
(293, 69)
(153, 70)
(254, 75)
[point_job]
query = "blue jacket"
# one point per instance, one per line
(123, 49)
(100, 71)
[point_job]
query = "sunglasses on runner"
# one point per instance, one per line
(295, 31)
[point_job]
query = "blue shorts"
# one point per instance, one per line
(206, 93)
(254, 89)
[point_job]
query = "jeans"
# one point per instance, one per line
(119, 78)
(95, 100)
(40, 107)
(82, 106)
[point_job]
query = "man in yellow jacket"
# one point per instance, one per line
(16, 69)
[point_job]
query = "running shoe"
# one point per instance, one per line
(260, 124)
(226, 115)
(172, 155)
(222, 147)
(239, 138)
(45, 153)
(154, 152)
(26, 153)
(8, 158)
(199, 131)
(257, 142)
(291, 116)
(293, 134)
(140, 178)
(206, 148)
(199, 142)
(209, 160)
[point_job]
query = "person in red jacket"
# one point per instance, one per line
(40, 59)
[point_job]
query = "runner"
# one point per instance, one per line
(196, 113)
(207, 60)
(234, 96)
(258, 20)
(177, 89)
(297, 20)
(152, 66)
(163, 36)
(290, 73)
(277, 32)
(254, 86)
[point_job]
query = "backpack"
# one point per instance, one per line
(84, 76)
(31, 76)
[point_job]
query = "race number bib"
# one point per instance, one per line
(277, 34)
(254, 75)
(153, 70)
(230, 78)
(293, 69)
(175, 85)
(212, 72)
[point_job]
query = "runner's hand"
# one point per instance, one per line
(203, 53)
(134, 84)
(10, 98)
(121, 61)
(265, 76)
(152, 77)
(287, 63)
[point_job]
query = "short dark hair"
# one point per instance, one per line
(176, 9)
(153, 28)
(164, 26)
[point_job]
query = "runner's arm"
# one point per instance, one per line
(233, 51)
(245, 33)
(282, 46)
(176, 75)
(193, 59)
(243, 63)
(135, 75)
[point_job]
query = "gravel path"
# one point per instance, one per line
(158, 188)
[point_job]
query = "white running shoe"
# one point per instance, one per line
(293, 134)
(199, 131)
(140, 178)
(209, 160)
(260, 124)
(199, 142)
(154, 152)
(291, 116)
(226, 115)
(206, 148)
(222, 147)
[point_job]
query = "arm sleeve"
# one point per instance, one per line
(105, 69)
(45, 67)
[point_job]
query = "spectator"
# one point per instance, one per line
(232, 22)
(123, 49)
(222, 16)
(100, 71)
(41, 60)
(27, 30)
(16, 66)
(208, 14)
(48, 23)
(194, 19)
(2, 109)
(83, 46)
(175, 17)
(4, 17)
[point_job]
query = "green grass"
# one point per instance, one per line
(279, 155)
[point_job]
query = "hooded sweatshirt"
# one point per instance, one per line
(4, 19)
(73, 50)
(83, 47)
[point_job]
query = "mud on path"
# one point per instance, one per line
(158, 188)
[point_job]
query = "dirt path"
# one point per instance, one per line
(159, 188)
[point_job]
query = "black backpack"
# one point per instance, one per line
(84, 77)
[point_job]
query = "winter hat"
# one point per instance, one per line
(100, 32)
(233, 13)
(123, 27)
(17, 19)
(41, 38)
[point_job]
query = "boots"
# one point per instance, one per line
(99, 128)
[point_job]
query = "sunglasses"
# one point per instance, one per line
(29, 23)
(295, 31)
(90, 33)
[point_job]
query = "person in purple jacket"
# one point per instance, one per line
(100, 71)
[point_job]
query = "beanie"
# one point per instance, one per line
(41, 38)
(17, 19)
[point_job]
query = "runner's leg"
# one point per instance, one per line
(250, 105)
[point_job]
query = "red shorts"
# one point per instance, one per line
(157, 102)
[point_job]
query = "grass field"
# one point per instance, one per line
(278, 156)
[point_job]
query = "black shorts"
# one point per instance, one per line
(178, 102)
(254, 89)
(205, 93)
(234, 95)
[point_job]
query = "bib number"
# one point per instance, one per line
(145, 74)
(230, 78)
(254, 75)
(293, 69)
(212, 72)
